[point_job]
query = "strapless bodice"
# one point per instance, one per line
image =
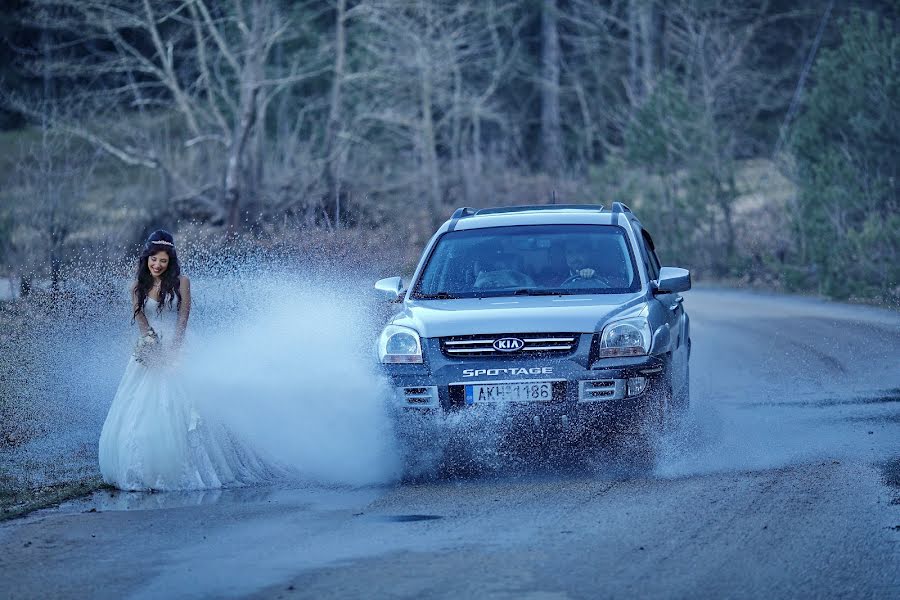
(164, 323)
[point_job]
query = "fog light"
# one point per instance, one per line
(636, 385)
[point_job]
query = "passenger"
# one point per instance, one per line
(501, 270)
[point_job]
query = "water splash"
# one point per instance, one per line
(292, 373)
(282, 355)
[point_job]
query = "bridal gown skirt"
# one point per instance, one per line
(154, 438)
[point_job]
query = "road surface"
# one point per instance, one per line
(781, 483)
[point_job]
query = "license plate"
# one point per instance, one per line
(512, 391)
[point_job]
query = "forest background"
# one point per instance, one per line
(758, 140)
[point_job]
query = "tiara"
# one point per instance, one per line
(163, 242)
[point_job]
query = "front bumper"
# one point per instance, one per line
(608, 389)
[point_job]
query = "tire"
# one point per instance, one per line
(659, 409)
(658, 418)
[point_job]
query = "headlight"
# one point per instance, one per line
(399, 345)
(628, 337)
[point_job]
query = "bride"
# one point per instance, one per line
(154, 438)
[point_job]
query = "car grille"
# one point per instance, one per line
(535, 344)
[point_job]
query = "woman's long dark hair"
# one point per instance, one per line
(170, 288)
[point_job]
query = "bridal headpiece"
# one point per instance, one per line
(163, 243)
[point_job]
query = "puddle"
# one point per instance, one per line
(410, 518)
(309, 497)
(892, 418)
(889, 397)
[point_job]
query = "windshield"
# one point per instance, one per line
(529, 260)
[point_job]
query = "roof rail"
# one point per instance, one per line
(620, 207)
(459, 213)
(509, 209)
(463, 211)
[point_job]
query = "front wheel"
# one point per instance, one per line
(659, 417)
(661, 409)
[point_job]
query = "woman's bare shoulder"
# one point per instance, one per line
(184, 282)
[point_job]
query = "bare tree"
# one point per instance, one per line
(696, 117)
(599, 42)
(202, 71)
(53, 175)
(433, 70)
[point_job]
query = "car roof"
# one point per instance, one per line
(544, 214)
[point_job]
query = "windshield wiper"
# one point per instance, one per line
(438, 296)
(535, 292)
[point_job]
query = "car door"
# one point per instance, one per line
(673, 308)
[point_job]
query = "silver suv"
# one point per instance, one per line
(559, 315)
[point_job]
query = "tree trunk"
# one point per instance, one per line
(25, 282)
(648, 45)
(456, 125)
(257, 159)
(475, 165)
(58, 232)
(428, 140)
(428, 148)
(251, 74)
(334, 127)
(634, 78)
(234, 168)
(726, 201)
(641, 49)
(551, 135)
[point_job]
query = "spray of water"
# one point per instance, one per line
(291, 373)
(779, 380)
(281, 356)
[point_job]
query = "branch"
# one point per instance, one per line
(217, 36)
(127, 157)
(205, 74)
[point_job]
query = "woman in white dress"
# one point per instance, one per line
(153, 437)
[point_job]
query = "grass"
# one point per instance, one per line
(16, 501)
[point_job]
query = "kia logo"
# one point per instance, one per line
(509, 344)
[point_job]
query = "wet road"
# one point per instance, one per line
(777, 485)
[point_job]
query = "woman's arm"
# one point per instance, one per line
(138, 312)
(184, 310)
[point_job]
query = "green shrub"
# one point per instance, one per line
(847, 144)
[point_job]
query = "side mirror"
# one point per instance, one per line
(392, 287)
(672, 280)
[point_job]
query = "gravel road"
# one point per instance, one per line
(781, 483)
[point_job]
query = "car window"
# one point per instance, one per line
(529, 260)
(653, 266)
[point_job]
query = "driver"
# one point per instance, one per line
(578, 261)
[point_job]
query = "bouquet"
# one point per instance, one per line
(146, 347)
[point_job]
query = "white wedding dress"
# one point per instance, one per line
(155, 439)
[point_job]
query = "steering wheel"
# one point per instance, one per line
(573, 278)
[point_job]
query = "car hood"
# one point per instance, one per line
(527, 314)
